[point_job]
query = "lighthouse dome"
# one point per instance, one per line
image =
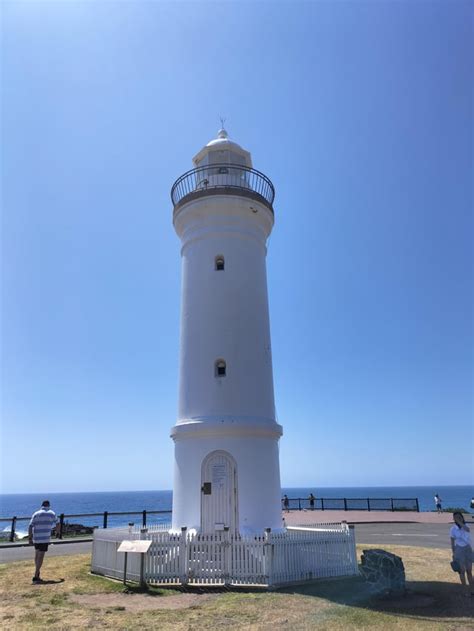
(222, 150)
(222, 140)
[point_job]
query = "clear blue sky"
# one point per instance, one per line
(361, 113)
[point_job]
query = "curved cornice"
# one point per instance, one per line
(218, 429)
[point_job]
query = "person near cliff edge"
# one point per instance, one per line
(461, 547)
(39, 533)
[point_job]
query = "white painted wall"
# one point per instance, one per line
(224, 314)
(258, 475)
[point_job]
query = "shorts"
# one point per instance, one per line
(42, 547)
(463, 555)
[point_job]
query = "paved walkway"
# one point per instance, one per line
(55, 549)
(418, 534)
(296, 517)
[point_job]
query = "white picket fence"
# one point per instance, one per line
(295, 555)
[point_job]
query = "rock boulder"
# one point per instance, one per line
(384, 572)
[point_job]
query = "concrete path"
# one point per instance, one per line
(55, 549)
(427, 535)
(422, 535)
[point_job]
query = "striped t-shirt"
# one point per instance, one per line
(43, 521)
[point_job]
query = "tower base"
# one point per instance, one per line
(227, 478)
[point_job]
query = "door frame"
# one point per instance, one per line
(233, 463)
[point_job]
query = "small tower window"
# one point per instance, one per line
(220, 368)
(220, 263)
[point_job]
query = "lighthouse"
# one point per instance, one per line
(226, 497)
(226, 463)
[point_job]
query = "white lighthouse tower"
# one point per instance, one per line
(226, 470)
(226, 437)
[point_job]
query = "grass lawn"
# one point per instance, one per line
(435, 601)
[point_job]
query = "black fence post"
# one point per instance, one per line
(106, 515)
(12, 531)
(61, 525)
(417, 505)
(345, 503)
(391, 503)
(368, 503)
(144, 518)
(322, 503)
(299, 503)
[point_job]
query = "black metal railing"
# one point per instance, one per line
(63, 526)
(353, 503)
(294, 503)
(218, 178)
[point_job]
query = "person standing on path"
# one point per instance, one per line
(438, 501)
(311, 501)
(462, 550)
(286, 503)
(39, 534)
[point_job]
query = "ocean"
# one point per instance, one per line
(23, 505)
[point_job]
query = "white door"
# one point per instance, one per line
(219, 493)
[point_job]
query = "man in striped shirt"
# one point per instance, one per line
(39, 533)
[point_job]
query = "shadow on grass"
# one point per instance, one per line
(149, 590)
(428, 600)
(165, 590)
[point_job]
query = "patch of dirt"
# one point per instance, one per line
(141, 602)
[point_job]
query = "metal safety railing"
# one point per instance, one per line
(294, 503)
(352, 503)
(218, 178)
(104, 515)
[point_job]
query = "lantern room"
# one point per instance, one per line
(222, 151)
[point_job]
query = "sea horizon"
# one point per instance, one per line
(321, 487)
